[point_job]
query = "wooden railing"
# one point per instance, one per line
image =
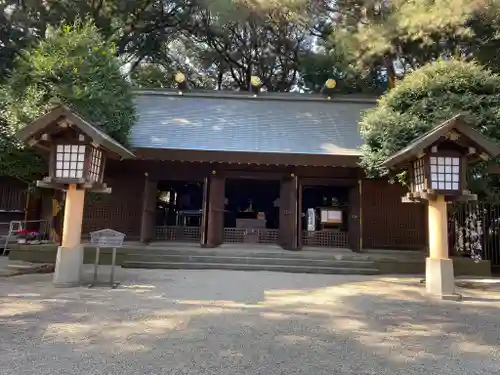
(178, 233)
(324, 238)
(244, 235)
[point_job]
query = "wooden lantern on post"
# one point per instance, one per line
(77, 152)
(437, 166)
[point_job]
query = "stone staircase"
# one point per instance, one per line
(252, 259)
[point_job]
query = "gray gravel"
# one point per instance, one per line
(224, 322)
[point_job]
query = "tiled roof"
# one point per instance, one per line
(275, 124)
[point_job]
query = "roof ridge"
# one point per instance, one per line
(242, 95)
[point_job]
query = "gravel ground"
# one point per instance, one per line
(224, 322)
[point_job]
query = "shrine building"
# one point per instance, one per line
(215, 168)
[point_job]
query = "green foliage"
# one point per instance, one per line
(15, 161)
(75, 66)
(424, 99)
(316, 68)
(151, 76)
(417, 32)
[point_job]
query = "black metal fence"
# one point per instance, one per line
(474, 228)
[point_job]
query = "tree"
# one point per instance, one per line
(414, 33)
(138, 27)
(317, 67)
(151, 76)
(75, 66)
(425, 98)
(245, 38)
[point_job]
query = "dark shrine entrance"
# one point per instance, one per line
(325, 216)
(251, 211)
(214, 207)
(179, 211)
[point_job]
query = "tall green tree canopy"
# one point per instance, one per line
(413, 33)
(264, 38)
(138, 27)
(73, 65)
(425, 98)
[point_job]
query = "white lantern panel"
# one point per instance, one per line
(418, 175)
(95, 165)
(69, 161)
(445, 173)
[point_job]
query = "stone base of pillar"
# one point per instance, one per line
(440, 279)
(69, 265)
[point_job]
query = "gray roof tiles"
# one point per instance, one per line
(246, 124)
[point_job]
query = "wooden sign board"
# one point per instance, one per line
(331, 216)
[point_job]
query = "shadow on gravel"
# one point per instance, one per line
(244, 323)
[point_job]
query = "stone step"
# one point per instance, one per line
(278, 253)
(251, 267)
(238, 259)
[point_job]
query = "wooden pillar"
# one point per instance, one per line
(204, 213)
(73, 217)
(439, 274)
(288, 232)
(438, 229)
(216, 194)
(299, 215)
(354, 218)
(69, 259)
(148, 232)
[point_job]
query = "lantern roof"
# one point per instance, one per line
(44, 124)
(458, 124)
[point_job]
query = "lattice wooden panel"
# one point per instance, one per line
(389, 223)
(243, 235)
(121, 210)
(181, 234)
(12, 194)
(268, 236)
(234, 235)
(324, 238)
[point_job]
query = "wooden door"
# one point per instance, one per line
(148, 224)
(288, 234)
(215, 224)
(354, 219)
